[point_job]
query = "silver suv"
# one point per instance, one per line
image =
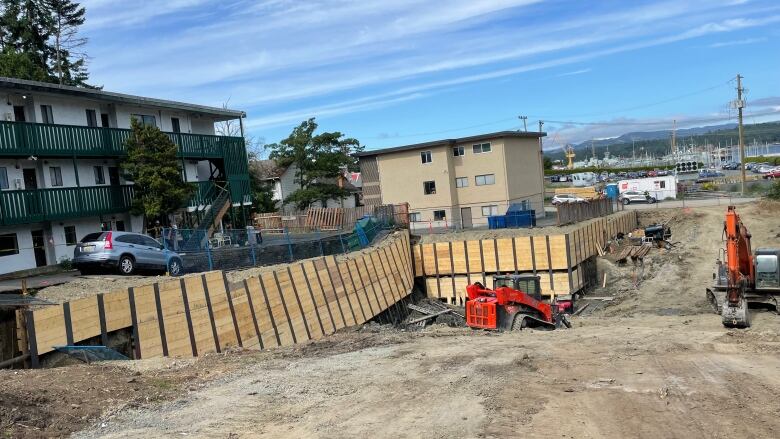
(125, 251)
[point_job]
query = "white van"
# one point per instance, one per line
(582, 179)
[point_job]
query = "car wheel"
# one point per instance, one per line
(126, 265)
(651, 200)
(175, 267)
(626, 201)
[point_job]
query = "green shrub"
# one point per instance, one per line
(66, 263)
(774, 191)
(709, 186)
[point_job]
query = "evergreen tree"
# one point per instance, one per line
(319, 159)
(151, 165)
(44, 33)
(19, 65)
(67, 16)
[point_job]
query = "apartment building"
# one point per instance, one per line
(458, 182)
(60, 151)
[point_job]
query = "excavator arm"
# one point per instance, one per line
(740, 270)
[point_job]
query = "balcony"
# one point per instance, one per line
(25, 139)
(30, 206)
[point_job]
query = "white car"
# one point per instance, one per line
(566, 198)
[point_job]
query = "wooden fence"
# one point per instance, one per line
(331, 218)
(189, 316)
(570, 213)
(447, 267)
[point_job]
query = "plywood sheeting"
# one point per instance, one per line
(537, 253)
(194, 315)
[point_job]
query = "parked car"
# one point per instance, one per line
(731, 166)
(763, 169)
(774, 173)
(124, 251)
(566, 198)
(662, 173)
(629, 197)
(757, 167)
(704, 173)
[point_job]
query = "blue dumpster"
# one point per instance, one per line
(497, 222)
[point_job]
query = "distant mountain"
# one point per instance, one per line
(658, 142)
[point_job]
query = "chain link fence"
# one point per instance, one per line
(234, 249)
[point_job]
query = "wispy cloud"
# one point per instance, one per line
(737, 42)
(285, 60)
(575, 72)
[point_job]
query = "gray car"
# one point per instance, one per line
(629, 197)
(125, 251)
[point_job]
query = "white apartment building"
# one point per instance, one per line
(60, 150)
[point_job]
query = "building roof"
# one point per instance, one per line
(499, 134)
(35, 86)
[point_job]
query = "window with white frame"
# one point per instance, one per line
(491, 210)
(145, 119)
(55, 175)
(461, 181)
(479, 148)
(47, 115)
(415, 217)
(439, 215)
(487, 179)
(458, 151)
(426, 157)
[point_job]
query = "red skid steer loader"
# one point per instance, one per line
(514, 303)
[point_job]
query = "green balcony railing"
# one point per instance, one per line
(29, 206)
(23, 138)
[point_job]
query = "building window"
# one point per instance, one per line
(415, 217)
(70, 235)
(120, 226)
(3, 178)
(429, 187)
(662, 184)
(480, 148)
(175, 125)
(439, 215)
(145, 120)
(426, 157)
(47, 116)
(486, 179)
(100, 178)
(104, 120)
(55, 175)
(8, 245)
(458, 151)
(92, 118)
(461, 182)
(490, 210)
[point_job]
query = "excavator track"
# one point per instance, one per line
(732, 316)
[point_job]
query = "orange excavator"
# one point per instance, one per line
(743, 277)
(514, 303)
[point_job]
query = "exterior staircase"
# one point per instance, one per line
(217, 203)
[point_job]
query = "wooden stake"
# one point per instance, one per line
(604, 283)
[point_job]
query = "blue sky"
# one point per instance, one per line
(397, 72)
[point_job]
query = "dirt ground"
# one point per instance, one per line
(655, 362)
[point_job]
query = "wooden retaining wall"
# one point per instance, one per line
(189, 316)
(447, 267)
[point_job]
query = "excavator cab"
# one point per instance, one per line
(767, 269)
(527, 283)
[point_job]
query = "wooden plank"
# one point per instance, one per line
(117, 307)
(272, 319)
(348, 290)
(174, 318)
(340, 312)
(188, 317)
(506, 255)
(245, 318)
(314, 285)
(291, 313)
(429, 259)
(85, 318)
(148, 325)
(49, 329)
(489, 256)
(223, 318)
(202, 328)
(306, 303)
(558, 254)
(232, 308)
(474, 259)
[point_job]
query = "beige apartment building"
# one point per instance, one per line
(458, 182)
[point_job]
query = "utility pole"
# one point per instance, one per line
(739, 103)
(525, 120)
(541, 153)
(674, 137)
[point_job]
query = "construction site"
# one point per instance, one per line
(601, 328)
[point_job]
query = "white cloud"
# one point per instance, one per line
(737, 42)
(574, 73)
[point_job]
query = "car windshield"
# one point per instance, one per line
(91, 237)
